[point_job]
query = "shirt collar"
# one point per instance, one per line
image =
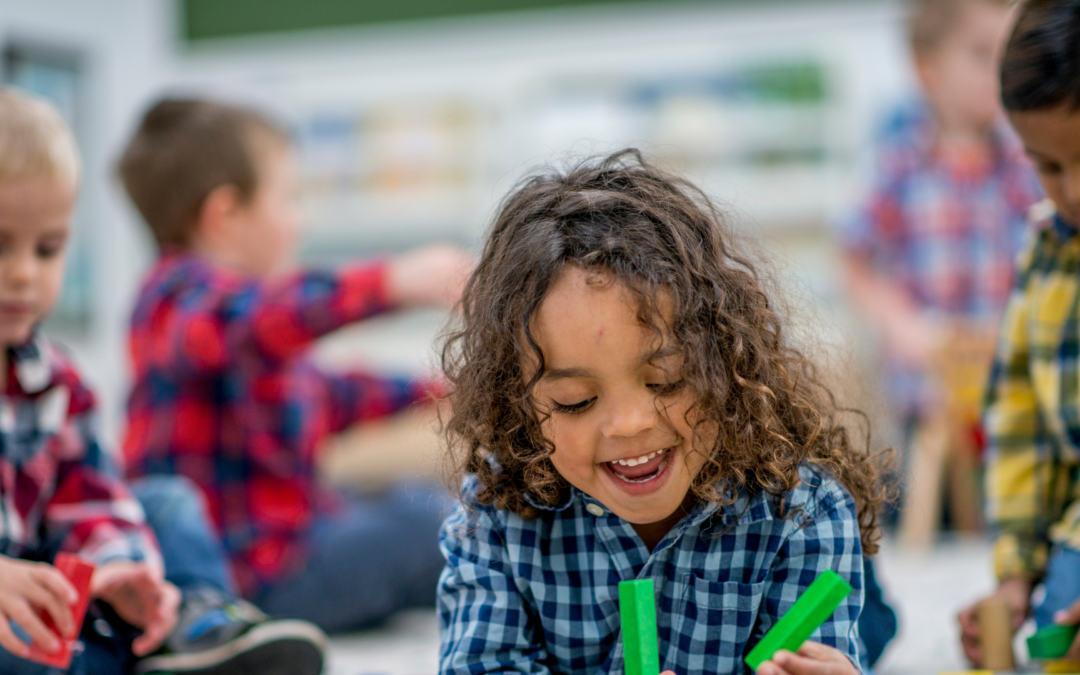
(30, 363)
(744, 510)
(1064, 231)
(1004, 144)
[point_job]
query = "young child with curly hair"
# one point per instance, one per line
(626, 405)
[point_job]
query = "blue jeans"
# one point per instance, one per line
(377, 556)
(193, 557)
(1061, 584)
(191, 549)
(877, 622)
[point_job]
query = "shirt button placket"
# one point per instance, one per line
(595, 509)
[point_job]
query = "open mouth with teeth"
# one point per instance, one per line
(640, 469)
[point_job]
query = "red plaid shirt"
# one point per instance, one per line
(224, 395)
(59, 489)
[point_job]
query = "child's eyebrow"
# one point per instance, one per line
(565, 373)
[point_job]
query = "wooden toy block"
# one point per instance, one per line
(79, 573)
(797, 624)
(1051, 642)
(637, 610)
(995, 633)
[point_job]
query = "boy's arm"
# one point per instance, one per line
(92, 512)
(270, 321)
(361, 397)
(828, 540)
(869, 238)
(891, 309)
(1019, 473)
(484, 624)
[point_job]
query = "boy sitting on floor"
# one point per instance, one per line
(224, 392)
(60, 491)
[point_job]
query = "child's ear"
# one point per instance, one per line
(218, 214)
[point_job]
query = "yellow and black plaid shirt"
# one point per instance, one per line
(1033, 407)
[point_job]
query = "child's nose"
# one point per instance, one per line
(1072, 189)
(629, 415)
(20, 270)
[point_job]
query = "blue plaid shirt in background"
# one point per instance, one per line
(541, 596)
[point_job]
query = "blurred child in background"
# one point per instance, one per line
(60, 490)
(1032, 423)
(224, 392)
(934, 239)
(929, 251)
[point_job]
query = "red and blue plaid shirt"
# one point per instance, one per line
(59, 489)
(947, 234)
(225, 395)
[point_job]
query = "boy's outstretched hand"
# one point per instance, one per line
(1016, 592)
(429, 276)
(25, 589)
(1070, 617)
(139, 594)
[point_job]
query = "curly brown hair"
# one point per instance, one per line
(662, 238)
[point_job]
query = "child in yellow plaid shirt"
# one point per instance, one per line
(1033, 402)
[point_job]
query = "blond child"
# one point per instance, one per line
(60, 490)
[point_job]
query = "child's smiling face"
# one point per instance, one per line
(618, 421)
(1052, 140)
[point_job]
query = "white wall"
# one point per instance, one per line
(132, 56)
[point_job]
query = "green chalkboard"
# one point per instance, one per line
(210, 19)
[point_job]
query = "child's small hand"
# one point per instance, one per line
(141, 597)
(429, 276)
(1070, 617)
(25, 588)
(1016, 592)
(813, 658)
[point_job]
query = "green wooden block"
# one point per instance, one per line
(810, 611)
(1052, 642)
(637, 610)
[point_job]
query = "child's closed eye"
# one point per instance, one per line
(572, 407)
(1048, 167)
(667, 388)
(50, 249)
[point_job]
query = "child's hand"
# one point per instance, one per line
(1070, 617)
(1016, 592)
(141, 597)
(813, 658)
(26, 588)
(429, 276)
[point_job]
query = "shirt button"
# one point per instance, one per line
(595, 509)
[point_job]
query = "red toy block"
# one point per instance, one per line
(79, 573)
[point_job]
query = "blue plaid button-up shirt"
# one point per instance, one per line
(541, 596)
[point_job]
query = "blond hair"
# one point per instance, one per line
(933, 20)
(35, 142)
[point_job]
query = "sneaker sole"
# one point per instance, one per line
(275, 648)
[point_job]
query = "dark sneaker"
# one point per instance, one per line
(219, 636)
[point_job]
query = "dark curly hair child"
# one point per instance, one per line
(625, 405)
(1032, 428)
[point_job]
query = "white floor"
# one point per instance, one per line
(928, 589)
